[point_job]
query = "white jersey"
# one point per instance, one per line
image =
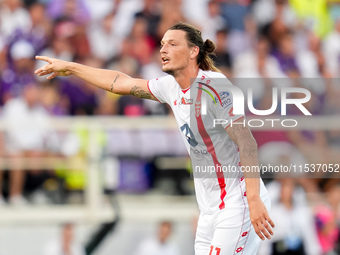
(219, 182)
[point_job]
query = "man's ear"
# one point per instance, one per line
(194, 52)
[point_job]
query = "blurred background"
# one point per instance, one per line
(84, 171)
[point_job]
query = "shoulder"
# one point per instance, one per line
(165, 82)
(215, 80)
(169, 79)
(212, 75)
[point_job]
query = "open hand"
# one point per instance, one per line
(55, 67)
(260, 219)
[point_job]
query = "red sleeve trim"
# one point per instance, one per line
(234, 121)
(151, 92)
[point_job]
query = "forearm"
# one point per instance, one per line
(110, 80)
(246, 143)
(258, 214)
(113, 81)
(250, 167)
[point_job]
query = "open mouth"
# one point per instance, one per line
(165, 60)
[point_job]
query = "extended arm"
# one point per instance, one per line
(259, 217)
(113, 81)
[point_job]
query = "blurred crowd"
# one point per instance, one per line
(256, 41)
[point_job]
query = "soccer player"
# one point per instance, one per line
(233, 207)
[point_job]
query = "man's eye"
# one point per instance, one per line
(173, 44)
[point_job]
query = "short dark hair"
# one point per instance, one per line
(206, 48)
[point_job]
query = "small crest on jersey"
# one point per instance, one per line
(198, 108)
(186, 101)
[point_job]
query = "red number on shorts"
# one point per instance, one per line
(218, 250)
(211, 249)
(231, 112)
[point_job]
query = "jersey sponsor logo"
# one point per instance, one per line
(186, 101)
(200, 152)
(226, 100)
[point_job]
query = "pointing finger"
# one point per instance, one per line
(44, 58)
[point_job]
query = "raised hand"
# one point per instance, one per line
(55, 67)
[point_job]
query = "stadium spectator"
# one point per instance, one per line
(285, 54)
(295, 232)
(53, 101)
(65, 244)
(331, 50)
(334, 9)
(235, 12)
(19, 70)
(222, 58)
(141, 44)
(151, 13)
(27, 136)
(41, 29)
(266, 11)
(171, 14)
(13, 17)
(312, 143)
(313, 15)
(257, 63)
(104, 43)
(327, 218)
(213, 21)
(310, 60)
(160, 244)
(75, 10)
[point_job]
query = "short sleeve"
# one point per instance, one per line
(157, 89)
(224, 107)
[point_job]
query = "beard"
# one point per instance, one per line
(173, 72)
(170, 71)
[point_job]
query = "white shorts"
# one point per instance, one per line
(227, 232)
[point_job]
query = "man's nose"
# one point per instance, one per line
(163, 49)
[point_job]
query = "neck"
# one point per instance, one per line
(183, 77)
